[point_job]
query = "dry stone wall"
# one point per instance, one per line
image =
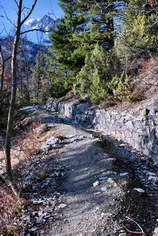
(139, 129)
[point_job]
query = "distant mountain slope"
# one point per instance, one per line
(45, 23)
(27, 48)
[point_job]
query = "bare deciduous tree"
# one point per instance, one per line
(19, 23)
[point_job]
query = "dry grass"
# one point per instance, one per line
(24, 146)
(137, 95)
(147, 65)
(10, 210)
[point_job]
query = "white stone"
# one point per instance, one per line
(110, 181)
(140, 190)
(29, 108)
(104, 188)
(62, 205)
(96, 183)
(124, 174)
(33, 229)
(155, 231)
(153, 178)
(122, 234)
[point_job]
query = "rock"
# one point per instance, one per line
(52, 140)
(155, 164)
(51, 105)
(29, 108)
(103, 178)
(122, 234)
(155, 231)
(74, 138)
(62, 205)
(50, 144)
(104, 189)
(153, 111)
(33, 229)
(96, 183)
(152, 178)
(140, 190)
(111, 182)
(125, 174)
(111, 173)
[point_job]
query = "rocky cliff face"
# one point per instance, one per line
(138, 126)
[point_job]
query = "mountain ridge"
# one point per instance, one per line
(44, 23)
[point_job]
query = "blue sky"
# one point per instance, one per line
(42, 8)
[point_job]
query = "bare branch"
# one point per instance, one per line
(30, 12)
(16, 2)
(8, 19)
(25, 8)
(4, 28)
(37, 30)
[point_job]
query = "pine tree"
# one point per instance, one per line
(62, 38)
(102, 17)
(85, 24)
(94, 78)
(139, 30)
(66, 58)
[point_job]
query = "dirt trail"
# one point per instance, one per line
(87, 204)
(76, 186)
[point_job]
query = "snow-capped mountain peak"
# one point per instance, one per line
(46, 22)
(31, 21)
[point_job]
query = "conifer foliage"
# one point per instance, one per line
(89, 51)
(139, 29)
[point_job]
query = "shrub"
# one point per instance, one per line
(138, 36)
(95, 75)
(121, 87)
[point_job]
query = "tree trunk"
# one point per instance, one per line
(11, 112)
(2, 76)
(3, 66)
(13, 94)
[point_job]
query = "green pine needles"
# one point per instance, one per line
(90, 55)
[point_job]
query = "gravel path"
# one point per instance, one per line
(88, 202)
(74, 185)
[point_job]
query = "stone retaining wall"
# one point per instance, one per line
(139, 129)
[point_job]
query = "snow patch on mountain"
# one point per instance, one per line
(31, 21)
(46, 23)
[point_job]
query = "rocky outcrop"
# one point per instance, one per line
(138, 127)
